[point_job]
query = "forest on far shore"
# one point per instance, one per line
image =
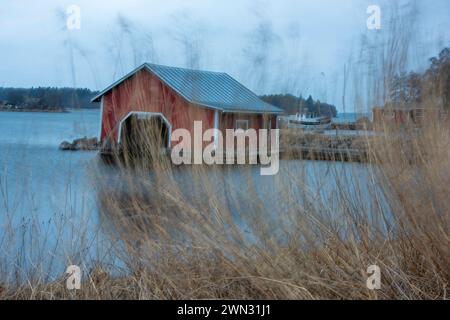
(293, 105)
(60, 99)
(46, 98)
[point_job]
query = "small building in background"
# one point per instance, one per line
(398, 116)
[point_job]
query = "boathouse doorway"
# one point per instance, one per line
(144, 134)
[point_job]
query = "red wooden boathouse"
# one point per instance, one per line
(178, 97)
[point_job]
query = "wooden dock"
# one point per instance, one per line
(340, 146)
(323, 154)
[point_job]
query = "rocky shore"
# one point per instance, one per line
(83, 144)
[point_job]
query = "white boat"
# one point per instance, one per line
(306, 122)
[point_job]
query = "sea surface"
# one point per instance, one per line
(49, 210)
(349, 117)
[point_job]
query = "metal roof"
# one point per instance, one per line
(213, 90)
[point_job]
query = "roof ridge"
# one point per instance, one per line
(184, 68)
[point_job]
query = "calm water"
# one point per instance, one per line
(350, 117)
(49, 216)
(43, 189)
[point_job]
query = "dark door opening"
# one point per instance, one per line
(144, 136)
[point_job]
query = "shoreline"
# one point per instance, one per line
(36, 111)
(46, 111)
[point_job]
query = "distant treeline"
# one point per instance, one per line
(48, 98)
(293, 105)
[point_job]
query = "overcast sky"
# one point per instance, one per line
(297, 46)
